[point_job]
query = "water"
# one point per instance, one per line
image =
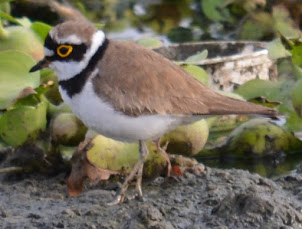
(269, 166)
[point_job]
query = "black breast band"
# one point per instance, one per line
(75, 84)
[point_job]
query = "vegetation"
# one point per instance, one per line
(31, 105)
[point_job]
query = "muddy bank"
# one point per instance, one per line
(215, 199)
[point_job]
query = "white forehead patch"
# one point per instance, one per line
(71, 39)
(68, 69)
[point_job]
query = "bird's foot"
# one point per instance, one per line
(163, 152)
(121, 194)
(137, 172)
(118, 200)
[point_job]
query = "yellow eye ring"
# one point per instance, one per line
(64, 50)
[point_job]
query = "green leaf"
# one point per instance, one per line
(213, 10)
(8, 17)
(197, 58)
(22, 39)
(24, 21)
(296, 95)
(275, 91)
(149, 42)
(197, 72)
(252, 5)
(286, 69)
(265, 102)
(49, 80)
(41, 29)
(255, 88)
(180, 34)
(257, 26)
(15, 76)
(5, 6)
(276, 50)
(297, 55)
(284, 23)
(23, 123)
(297, 71)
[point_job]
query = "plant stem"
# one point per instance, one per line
(3, 32)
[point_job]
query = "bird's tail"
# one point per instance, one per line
(227, 105)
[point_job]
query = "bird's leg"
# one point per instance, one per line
(139, 178)
(138, 171)
(164, 154)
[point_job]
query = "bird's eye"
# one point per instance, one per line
(64, 50)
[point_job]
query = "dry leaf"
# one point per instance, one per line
(83, 169)
(26, 92)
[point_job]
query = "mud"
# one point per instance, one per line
(215, 199)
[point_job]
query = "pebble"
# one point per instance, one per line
(69, 212)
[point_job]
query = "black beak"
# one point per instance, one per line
(41, 64)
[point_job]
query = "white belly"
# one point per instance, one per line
(102, 118)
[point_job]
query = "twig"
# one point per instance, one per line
(11, 169)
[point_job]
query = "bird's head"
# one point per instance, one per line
(69, 47)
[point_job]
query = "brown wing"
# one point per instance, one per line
(140, 81)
